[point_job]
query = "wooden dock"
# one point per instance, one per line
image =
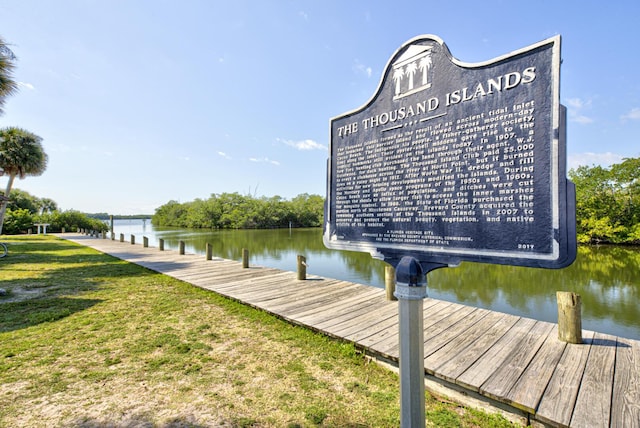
(513, 363)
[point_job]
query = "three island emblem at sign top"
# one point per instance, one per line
(411, 71)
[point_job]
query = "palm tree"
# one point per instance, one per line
(47, 205)
(397, 76)
(21, 154)
(425, 65)
(7, 85)
(410, 71)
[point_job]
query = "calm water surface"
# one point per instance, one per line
(606, 277)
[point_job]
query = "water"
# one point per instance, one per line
(606, 277)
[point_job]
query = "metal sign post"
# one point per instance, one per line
(411, 290)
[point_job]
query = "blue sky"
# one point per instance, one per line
(140, 102)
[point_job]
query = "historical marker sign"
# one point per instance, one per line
(452, 161)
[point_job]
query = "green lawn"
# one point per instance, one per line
(87, 340)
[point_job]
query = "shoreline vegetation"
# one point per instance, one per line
(236, 211)
(607, 209)
(89, 340)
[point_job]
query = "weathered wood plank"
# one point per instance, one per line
(252, 281)
(387, 329)
(197, 269)
(229, 277)
(517, 360)
(321, 302)
(386, 342)
(281, 287)
(303, 295)
(365, 320)
(437, 334)
(495, 357)
(593, 404)
(326, 323)
(443, 333)
(529, 388)
(368, 324)
(556, 406)
(625, 409)
(339, 308)
(454, 358)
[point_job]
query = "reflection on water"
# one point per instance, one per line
(607, 278)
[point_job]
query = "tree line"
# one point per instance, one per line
(24, 210)
(607, 207)
(608, 202)
(236, 211)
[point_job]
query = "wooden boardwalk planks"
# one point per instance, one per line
(511, 360)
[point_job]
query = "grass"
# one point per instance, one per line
(87, 340)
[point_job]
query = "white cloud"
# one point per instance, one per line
(360, 68)
(26, 85)
(634, 114)
(224, 155)
(265, 160)
(581, 119)
(577, 103)
(304, 144)
(589, 159)
(575, 107)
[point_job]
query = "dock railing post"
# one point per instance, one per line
(133, 239)
(245, 258)
(411, 290)
(569, 317)
(181, 248)
(122, 237)
(302, 267)
(145, 241)
(209, 251)
(161, 244)
(390, 282)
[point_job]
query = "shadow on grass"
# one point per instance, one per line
(44, 279)
(34, 250)
(18, 315)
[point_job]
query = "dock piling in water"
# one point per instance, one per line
(302, 267)
(245, 258)
(569, 317)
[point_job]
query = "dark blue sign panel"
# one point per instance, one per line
(452, 161)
